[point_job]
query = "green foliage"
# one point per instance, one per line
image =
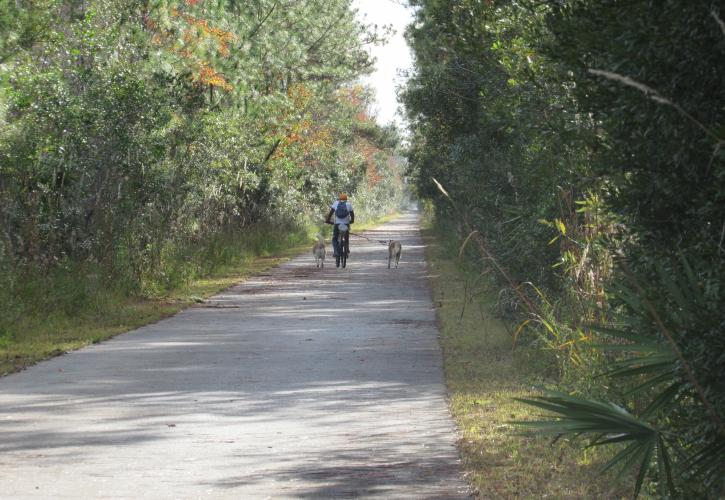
(482, 375)
(661, 162)
(485, 125)
(21, 26)
(573, 135)
(142, 142)
(612, 424)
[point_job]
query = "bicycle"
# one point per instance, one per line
(343, 244)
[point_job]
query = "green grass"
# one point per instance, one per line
(357, 227)
(483, 375)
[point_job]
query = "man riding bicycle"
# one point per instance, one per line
(342, 209)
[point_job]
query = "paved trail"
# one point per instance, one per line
(302, 383)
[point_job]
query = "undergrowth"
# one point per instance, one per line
(484, 373)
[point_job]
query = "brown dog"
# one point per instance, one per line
(394, 251)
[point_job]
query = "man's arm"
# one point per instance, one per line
(352, 216)
(327, 219)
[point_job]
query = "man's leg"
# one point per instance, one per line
(347, 243)
(335, 232)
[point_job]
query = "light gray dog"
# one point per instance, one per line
(318, 251)
(394, 251)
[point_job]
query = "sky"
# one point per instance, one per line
(391, 58)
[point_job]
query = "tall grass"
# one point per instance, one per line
(183, 262)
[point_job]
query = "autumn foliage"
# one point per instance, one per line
(201, 43)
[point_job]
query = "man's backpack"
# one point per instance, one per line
(341, 212)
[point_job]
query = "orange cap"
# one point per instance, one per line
(343, 196)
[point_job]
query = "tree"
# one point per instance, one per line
(596, 126)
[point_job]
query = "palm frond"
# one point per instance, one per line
(706, 464)
(609, 424)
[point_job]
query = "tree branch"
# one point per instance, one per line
(652, 94)
(719, 21)
(326, 32)
(261, 23)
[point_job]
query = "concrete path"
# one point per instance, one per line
(302, 383)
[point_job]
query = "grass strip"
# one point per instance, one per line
(483, 375)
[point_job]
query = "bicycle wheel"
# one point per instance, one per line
(343, 245)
